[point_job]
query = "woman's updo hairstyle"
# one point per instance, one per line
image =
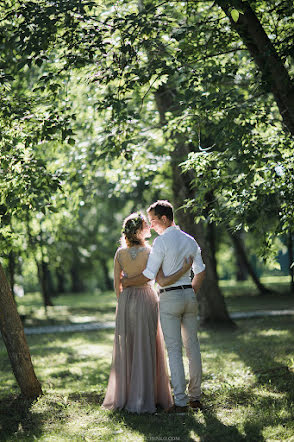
(131, 225)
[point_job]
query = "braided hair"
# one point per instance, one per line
(131, 225)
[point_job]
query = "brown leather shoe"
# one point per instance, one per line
(196, 405)
(176, 409)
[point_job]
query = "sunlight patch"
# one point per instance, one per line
(272, 332)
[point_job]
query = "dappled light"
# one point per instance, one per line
(106, 108)
(247, 385)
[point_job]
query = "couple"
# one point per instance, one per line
(138, 379)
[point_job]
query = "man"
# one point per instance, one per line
(178, 306)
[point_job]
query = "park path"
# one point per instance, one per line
(88, 326)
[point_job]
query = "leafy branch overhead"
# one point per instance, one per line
(222, 70)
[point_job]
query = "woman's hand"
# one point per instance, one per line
(171, 279)
(160, 278)
(187, 264)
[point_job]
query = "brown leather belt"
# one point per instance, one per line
(178, 287)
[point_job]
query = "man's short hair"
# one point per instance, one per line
(162, 207)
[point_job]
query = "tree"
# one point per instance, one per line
(15, 341)
(182, 62)
(26, 184)
(251, 170)
(211, 302)
(271, 64)
(241, 252)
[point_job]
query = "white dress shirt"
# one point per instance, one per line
(169, 250)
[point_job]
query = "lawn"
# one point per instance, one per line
(98, 306)
(248, 380)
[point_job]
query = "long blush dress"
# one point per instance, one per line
(138, 378)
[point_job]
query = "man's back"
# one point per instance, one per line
(169, 250)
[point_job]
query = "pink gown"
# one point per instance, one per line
(138, 380)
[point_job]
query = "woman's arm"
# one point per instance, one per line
(163, 280)
(117, 272)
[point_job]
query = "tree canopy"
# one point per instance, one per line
(98, 95)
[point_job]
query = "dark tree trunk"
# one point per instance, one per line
(107, 279)
(77, 285)
(43, 273)
(239, 246)
(291, 261)
(211, 239)
(11, 269)
(15, 342)
(60, 281)
(274, 72)
(50, 283)
(212, 305)
(241, 268)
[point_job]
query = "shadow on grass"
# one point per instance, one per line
(17, 419)
(72, 365)
(241, 300)
(177, 427)
(91, 397)
(60, 315)
(264, 346)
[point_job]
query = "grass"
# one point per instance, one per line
(68, 309)
(248, 383)
(97, 306)
(243, 296)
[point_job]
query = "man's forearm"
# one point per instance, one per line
(197, 281)
(134, 280)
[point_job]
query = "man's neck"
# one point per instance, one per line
(167, 226)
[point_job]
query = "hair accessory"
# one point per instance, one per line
(132, 225)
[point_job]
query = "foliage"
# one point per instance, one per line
(241, 152)
(82, 129)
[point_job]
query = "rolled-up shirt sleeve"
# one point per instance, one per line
(198, 265)
(155, 259)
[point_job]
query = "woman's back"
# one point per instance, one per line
(133, 260)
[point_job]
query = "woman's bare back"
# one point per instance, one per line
(133, 260)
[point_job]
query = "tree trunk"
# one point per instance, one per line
(43, 278)
(77, 285)
(239, 246)
(107, 279)
(212, 307)
(211, 240)
(11, 269)
(241, 268)
(274, 72)
(291, 261)
(60, 281)
(15, 342)
(50, 283)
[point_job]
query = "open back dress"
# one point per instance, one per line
(138, 380)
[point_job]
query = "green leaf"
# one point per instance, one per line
(235, 15)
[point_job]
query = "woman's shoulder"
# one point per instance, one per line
(120, 250)
(132, 250)
(125, 248)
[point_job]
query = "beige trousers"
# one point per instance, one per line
(178, 317)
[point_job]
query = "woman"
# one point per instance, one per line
(138, 379)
